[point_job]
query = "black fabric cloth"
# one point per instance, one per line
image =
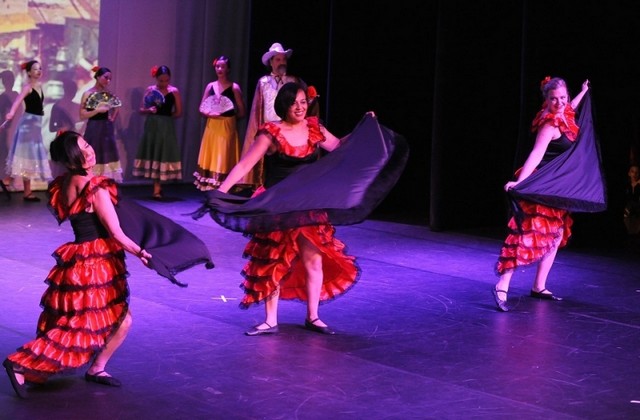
(341, 188)
(172, 247)
(574, 180)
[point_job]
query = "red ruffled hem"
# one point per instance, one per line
(85, 302)
(541, 228)
(274, 264)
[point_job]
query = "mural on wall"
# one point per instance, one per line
(63, 36)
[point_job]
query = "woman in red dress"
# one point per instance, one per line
(85, 315)
(543, 229)
(304, 263)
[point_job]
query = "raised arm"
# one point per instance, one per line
(258, 149)
(576, 101)
(106, 212)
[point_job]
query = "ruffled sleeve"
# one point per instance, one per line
(315, 133)
(315, 136)
(566, 122)
(56, 203)
(98, 182)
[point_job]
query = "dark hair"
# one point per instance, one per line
(65, 150)
(101, 71)
(222, 58)
(285, 98)
(163, 70)
(29, 64)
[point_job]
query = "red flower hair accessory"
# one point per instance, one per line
(545, 81)
(61, 132)
(154, 71)
(95, 68)
(23, 66)
(312, 93)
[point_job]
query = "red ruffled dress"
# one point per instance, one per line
(274, 257)
(87, 295)
(541, 225)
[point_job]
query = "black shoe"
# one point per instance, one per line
(545, 296)
(257, 331)
(20, 389)
(103, 380)
(31, 198)
(313, 327)
(501, 304)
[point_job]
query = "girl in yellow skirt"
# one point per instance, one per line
(223, 105)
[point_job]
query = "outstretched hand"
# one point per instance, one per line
(586, 85)
(145, 257)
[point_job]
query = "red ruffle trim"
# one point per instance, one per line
(315, 136)
(57, 201)
(274, 263)
(541, 228)
(84, 305)
(566, 122)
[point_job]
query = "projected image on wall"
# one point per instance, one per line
(63, 36)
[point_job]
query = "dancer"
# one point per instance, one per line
(158, 156)
(543, 229)
(305, 263)
(100, 131)
(28, 158)
(262, 109)
(85, 314)
(220, 148)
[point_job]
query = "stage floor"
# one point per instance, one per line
(418, 336)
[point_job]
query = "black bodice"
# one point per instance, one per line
(279, 165)
(87, 227)
(555, 148)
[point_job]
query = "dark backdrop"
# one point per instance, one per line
(460, 80)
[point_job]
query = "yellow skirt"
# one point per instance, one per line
(219, 152)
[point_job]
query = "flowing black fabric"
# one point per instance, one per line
(573, 181)
(172, 247)
(341, 188)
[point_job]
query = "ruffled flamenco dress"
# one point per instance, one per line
(87, 297)
(305, 195)
(569, 179)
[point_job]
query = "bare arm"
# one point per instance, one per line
(258, 149)
(331, 142)
(106, 212)
(16, 103)
(177, 110)
(576, 101)
(535, 157)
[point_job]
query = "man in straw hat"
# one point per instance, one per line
(262, 107)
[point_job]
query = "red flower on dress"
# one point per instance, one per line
(154, 71)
